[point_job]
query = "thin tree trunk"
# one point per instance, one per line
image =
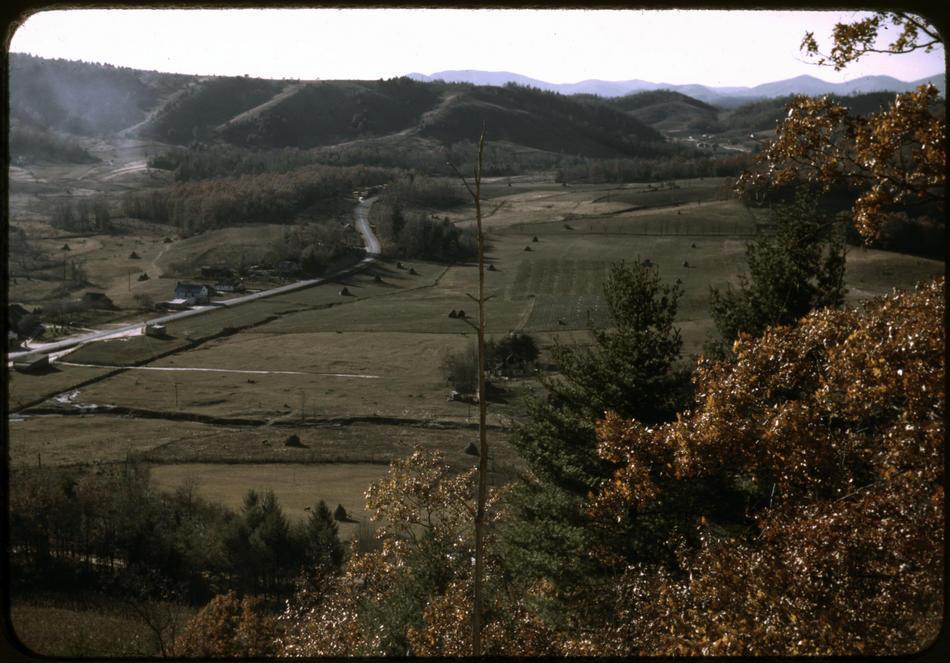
(482, 491)
(482, 404)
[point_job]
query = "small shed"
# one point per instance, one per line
(156, 331)
(177, 304)
(31, 363)
(97, 300)
(229, 285)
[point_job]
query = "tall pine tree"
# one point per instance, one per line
(630, 368)
(796, 268)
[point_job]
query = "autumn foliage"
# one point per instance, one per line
(892, 158)
(835, 429)
(229, 627)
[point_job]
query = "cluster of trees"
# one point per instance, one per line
(109, 528)
(419, 234)
(505, 356)
(644, 169)
(83, 215)
(205, 162)
(268, 198)
(31, 144)
(315, 246)
(25, 257)
(796, 267)
(422, 191)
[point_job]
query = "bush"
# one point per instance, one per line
(229, 627)
(461, 369)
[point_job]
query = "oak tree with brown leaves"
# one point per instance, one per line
(835, 426)
(229, 627)
(893, 160)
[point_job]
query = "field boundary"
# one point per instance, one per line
(236, 422)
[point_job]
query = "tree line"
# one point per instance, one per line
(409, 232)
(83, 215)
(266, 198)
(111, 529)
(651, 169)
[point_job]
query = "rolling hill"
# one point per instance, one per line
(84, 98)
(67, 98)
(666, 110)
(88, 99)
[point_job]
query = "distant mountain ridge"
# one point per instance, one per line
(805, 84)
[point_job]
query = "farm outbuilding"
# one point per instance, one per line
(193, 293)
(229, 285)
(156, 331)
(97, 300)
(216, 272)
(32, 363)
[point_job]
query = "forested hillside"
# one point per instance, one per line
(84, 98)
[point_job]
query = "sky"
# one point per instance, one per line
(714, 48)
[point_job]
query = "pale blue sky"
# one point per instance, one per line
(716, 48)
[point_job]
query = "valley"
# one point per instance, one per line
(242, 358)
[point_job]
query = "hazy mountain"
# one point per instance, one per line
(729, 95)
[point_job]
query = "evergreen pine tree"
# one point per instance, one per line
(324, 549)
(630, 368)
(792, 270)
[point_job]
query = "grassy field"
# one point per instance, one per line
(81, 439)
(85, 439)
(78, 629)
(23, 389)
(292, 363)
(297, 486)
(263, 375)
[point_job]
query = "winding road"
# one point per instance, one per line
(371, 246)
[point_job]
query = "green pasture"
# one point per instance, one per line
(123, 351)
(25, 388)
(83, 439)
(233, 246)
(871, 273)
(296, 377)
(295, 485)
(88, 629)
